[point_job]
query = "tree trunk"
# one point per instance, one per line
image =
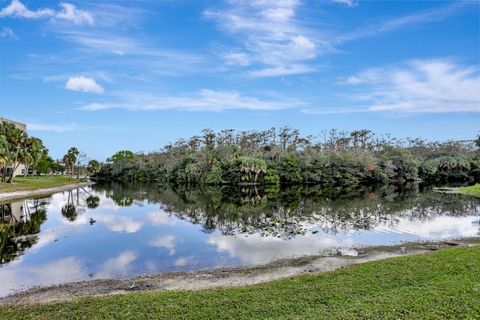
(10, 180)
(14, 167)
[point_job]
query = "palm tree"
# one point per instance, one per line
(70, 159)
(4, 155)
(34, 152)
(16, 143)
(93, 166)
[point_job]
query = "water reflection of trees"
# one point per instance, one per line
(20, 223)
(77, 202)
(296, 210)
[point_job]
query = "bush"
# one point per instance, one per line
(290, 170)
(244, 170)
(272, 177)
(447, 168)
(399, 165)
(214, 176)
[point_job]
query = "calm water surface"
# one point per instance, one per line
(119, 231)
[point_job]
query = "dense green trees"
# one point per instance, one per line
(17, 148)
(283, 156)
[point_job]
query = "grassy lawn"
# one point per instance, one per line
(472, 190)
(31, 183)
(441, 285)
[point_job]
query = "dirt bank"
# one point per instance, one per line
(15, 195)
(225, 277)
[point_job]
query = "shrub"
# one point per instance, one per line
(214, 176)
(271, 176)
(290, 170)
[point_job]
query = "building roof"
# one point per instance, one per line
(19, 125)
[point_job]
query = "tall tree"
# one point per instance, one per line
(70, 158)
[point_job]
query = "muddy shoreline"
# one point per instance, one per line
(226, 277)
(22, 194)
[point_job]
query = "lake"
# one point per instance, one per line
(118, 231)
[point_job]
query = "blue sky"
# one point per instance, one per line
(111, 75)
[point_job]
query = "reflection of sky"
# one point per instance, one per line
(254, 249)
(129, 241)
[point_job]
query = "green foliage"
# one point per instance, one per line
(290, 170)
(17, 147)
(447, 168)
(244, 170)
(284, 157)
(45, 166)
(121, 156)
(93, 166)
(214, 176)
(92, 202)
(471, 190)
(187, 171)
(399, 165)
(271, 176)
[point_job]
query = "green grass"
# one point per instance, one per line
(441, 285)
(472, 190)
(21, 183)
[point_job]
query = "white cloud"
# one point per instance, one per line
(183, 261)
(105, 49)
(426, 86)
(303, 43)
(160, 218)
(234, 58)
(68, 12)
(203, 100)
(281, 71)
(118, 223)
(50, 127)
(350, 3)
(7, 33)
(395, 23)
(102, 42)
(272, 36)
(83, 84)
(364, 77)
(335, 110)
(15, 277)
(17, 9)
(269, 35)
(71, 13)
(167, 242)
(118, 266)
(256, 249)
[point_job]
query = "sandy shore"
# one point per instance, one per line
(14, 195)
(225, 277)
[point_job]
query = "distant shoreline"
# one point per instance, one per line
(473, 191)
(22, 194)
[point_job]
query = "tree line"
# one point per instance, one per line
(283, 156)
(17, 148)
